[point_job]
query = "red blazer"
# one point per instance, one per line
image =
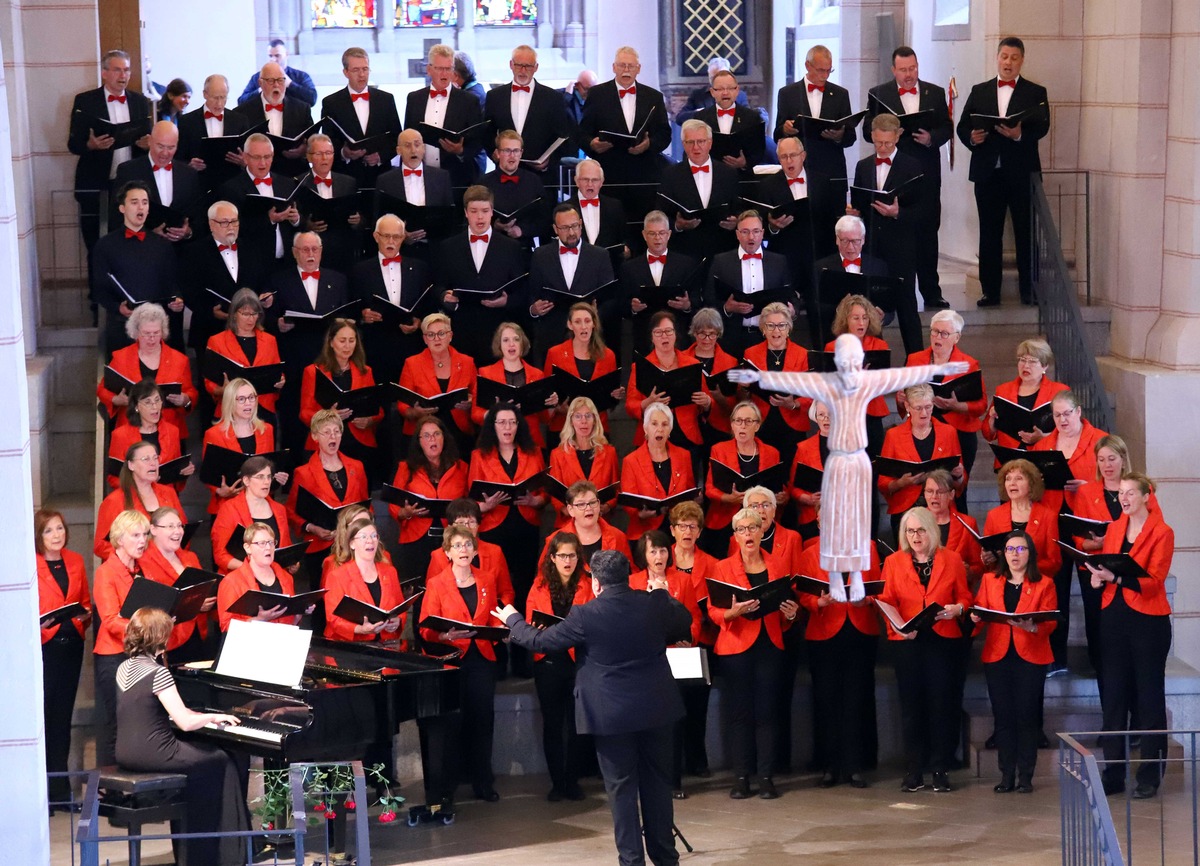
(611, 538)
(738, 635)
(808, 452)
(971, 420)
(961, 542)
(877, 408)
(565, 468)
(266, 352)
(687, 416)
(309, 406)
(825, 622)
(1033, 648)
(900, 444)
(539, 600)
(114, 503)
(682, 589)
(173, 367)
(312, 478)
(128, 435)
(561, 356)
(234, 514)
(222, 436)
(155, 566)
(719, 514)
(947, 586)
(112, 583)
(487, 467)
(442, 598)
(1008, 390)
(718, 415)
(51, 596)
(1153, 550)
(345, 580)
(240, 581)
(637, 476)
(419, 375)
(1042, 527)
(795, 360)
(491, 559)
(704, 566)
(1082, 464)
(452, 485)
(785, 548)
(535, 419)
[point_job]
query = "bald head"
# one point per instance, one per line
(411, 148)
(272, 82)
(164, 140)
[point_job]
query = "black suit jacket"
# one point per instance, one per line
(678, 185)
(534, 221)
(505, 260)
(147, 269)
(823, 155)
(94, 166)
(299, 347)
(932, 98)
(885, 235)
(382, 117)
(602, 111)
(188, 197)
(192, 129)
(545, 272)
(297, 117)
(744, 117)
(810, 235)
(680, 271)
(203, 269)
(462, 110)
(258, 233)
(437, 186)
(624, 683)
(388, 347)
(1015, 156)
(341, 242)
(871, 266)
(725, 276)
(827, 302)
(546, 120)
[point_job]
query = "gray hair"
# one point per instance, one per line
(655, 217)
(949, 317)
(707, 319)
(144, 313)
(847, 222)
(657, 407)
(217, 205)
(589, 161)
(695, 124)
(757, 490)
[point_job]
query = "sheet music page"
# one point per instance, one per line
(687, 663)
(265, 651)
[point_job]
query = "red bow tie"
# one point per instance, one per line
(746, 256)
(130, 233)
(411, 171)
(270, 107)
(524, 88)
(442, 93)
(509, 178)
(120, 99)
(483, 238)
(589, 202)
(328, 181)
(263, 181)
(562, 251)
(696, 169)
(812, 87)
(726, 112)
(621, 94)
(662, 260)
(208, 115)
(912, 90)
(792, 180)
(222, 247)
(883, 160)
(848, 262)
(166, 167)
(364, 96)
(1012, 84)
(310, 275)
(394, 260)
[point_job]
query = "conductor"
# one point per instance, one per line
(624, 696)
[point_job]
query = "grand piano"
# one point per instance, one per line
(351, 695)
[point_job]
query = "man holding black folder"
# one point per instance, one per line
(267, 229)
(445, 107)
(360, 112)
(519, 198)
(535, 111)
(658, 280)
(338, 224)
(284, 116)
(411, 185)
(700, 195)
(743, 129)
(171, 184)
(603, 215)
(736, 276)
(816, 96)
(211, 121)
(850, 235)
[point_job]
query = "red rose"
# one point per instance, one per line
(320, 807)
(350, 804)
(268, 825)
(387, 817)
(330, 815)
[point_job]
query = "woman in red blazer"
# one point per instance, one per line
(137, 490)
(129, 531)
(165, 560)
(927, 659)
(62, 580)
(439, 369)
(750, 650)
(253, 505)
(745, 454)
(1135, 629)
(258, 571)
(706, 330)
(1021, 488)
(657, 469)
(784, 417)
(246, 343)
(584, 356)
(510, 344)
(238, 429)
(489, 557)
(583, 454)
(666, 357)
(362, 573)
(1015, 657)
(144, 414)
(812, 452)
(858, 316)
(562, 583)
(592, 532)
(149, 357)
(1031, 389)
(842, 642)
(939, 499)
(433, 470)
(467, 594)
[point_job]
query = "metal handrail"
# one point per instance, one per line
(1089, 837)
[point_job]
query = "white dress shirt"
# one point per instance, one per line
(310, 289)
(1003, 96)
(656, 270)
(362, 107)
(815, 98)
(628, 106)
(274, 119)
(752, 281)
(323, 190)
(118, 112)
(591, 220)
(391, 279)
(703, 181)
(911, 101)
(799, 190)
(165, 182)
(478, 250)
(414, 186)
(882, 169)
(520, 107)
(435, 114)
(569, 262)
(725, 121)
(230, 259)
(214, 127)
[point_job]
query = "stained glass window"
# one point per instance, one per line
(426, 13)
(343, 13)
(506, 12)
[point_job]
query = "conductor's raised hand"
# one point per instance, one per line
(503, 613)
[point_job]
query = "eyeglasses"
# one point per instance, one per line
(749, 233)
(626, 67)
(696, 142)
(149, 458)
(777, 326)
(437, 335)
(940, 334)
(462, 545)
(650, 233)
(225, 224)
(506, 422)
(328, 153)
(1016, 548)
(169, 527)
(150, 401)
(373, 536)
(262, 476)
(570, 228)
(582, 416)
(387, 237)
(522, 66)
(263, 545)
(915, 531)
(469, 522)
(436, 434)
(586, 506)
(510, 151)
(663, 332)
(686, 527)
(743, 422)
(1028, 360)
(272, 80)
(855, 241)
(766, 505)
(745, 529)
(567, 556)
(1063, 416)
(707, 335)
(243, 399)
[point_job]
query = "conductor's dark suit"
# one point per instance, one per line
(626, 698)
(192, 129)
(825, 156)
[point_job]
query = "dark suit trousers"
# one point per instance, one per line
(926, 250)
(752, 682)
(1015, 690)
(843, 678)
(1005, 191)
(1133, 658)
(62, 660)
(554, 678)
(637, 766)
(925, 672)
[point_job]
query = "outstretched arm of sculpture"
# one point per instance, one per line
(879, 382)
(801, 384)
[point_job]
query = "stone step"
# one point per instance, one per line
(76, 363)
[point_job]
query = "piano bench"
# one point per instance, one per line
(131, 799)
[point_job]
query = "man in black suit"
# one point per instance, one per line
(517, 189)
(850, 234)
(266, 232)
(361, 111)
(816, 96)
(299, 81)
(907, 94)
(1002, 159)
(624, 105)
(748, 270)
(729, 115)
(700, 184)
(471, 268)
(677, 274)
(537, 112)
(891, 220)
(446, 107)
(565, 272)
(624, 696)
(415, 185)
(340, 236)
(401, 281)
(603, 215)
(171, 184)
(211, 121)
(284, 115)
(144, 264)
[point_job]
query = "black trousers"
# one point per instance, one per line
(554, 679)
(521, 542)
(1133, 657)
(637, 767)
(752, 680)
(105, 670)
(1015, 690)
(789, 666)
(691, 752)
(968, 444)
(843, 678)
(1062, 588)
(1005, 192)
(62, 660)
(925, 671)
(477, 696)
(925, 247)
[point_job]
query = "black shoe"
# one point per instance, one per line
(1043, 740)
(575, 793)
(488, 795)
(1145, 792)
(857, 781)
(1006, 786)
(827, 781)
(766, 789)
(988, 302)
(941, 783)
(740, 789)
(990, 742)
(555, 796)
(1113, 786)
(912, 783)
(938, 303)
(1025, 786)
(679, 794)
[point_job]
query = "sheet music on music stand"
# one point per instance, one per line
(267, 652)
(689, 663)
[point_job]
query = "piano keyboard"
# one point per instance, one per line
(253, 729)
